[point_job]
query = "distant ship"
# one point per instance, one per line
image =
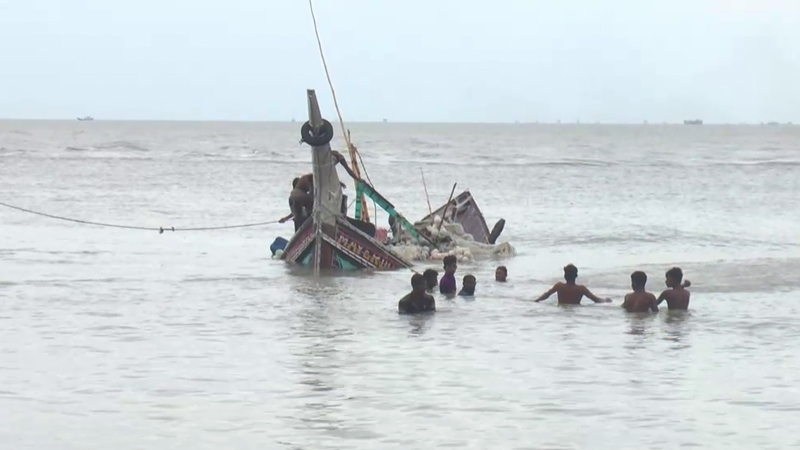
(693, 122)
(82, 119)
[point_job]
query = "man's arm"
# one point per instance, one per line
(653, 304)
(625, 302)
(550, 292)
(284, 219)
(662, 297)
(593, 297)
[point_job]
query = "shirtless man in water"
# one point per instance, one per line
(417, 300)
(570, 293)
(639, 300)
(677, 296)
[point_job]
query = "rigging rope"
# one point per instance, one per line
(346, 135)
(328, 75)
(134, 227)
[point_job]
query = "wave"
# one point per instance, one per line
(121, 145)
(655, 235)
(467, 162)
(770, 163)
(11, 151)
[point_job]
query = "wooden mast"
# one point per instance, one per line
(361, 200)
(327, 190)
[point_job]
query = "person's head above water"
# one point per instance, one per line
(469, 282)
(450, 264)
(638, 280)
(570, 273)
(417, 283)
(468, 286)
(501, 273)
(431, 278)
(674, 277)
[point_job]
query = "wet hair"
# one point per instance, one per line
(675, 273)
(570, 272)
(503, 268)
(470, 278)
(431, 275)
(449, 259)
(417, 279)
(638, 278)
(295, 181)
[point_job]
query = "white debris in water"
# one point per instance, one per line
(458, 243)
(411, 252)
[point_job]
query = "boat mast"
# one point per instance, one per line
(346, 133)
(362, 213)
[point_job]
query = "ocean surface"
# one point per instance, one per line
(128, 339)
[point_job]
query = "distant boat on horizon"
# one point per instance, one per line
(85, 118)
(693, 122)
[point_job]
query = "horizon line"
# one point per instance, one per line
(402, 122)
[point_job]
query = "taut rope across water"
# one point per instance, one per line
(160, 230)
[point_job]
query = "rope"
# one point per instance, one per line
(336, 102)
(134, 227)
(328, 75)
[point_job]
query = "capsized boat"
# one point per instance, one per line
(464, 211)
(328, 239)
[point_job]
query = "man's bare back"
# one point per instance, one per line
(571, 294)
(677, 298)
(416, 302)
(640, 301)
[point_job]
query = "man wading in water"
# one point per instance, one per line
(570, 293)
(639, 300)
(677, 296)
(417, 300)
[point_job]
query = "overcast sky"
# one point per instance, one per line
(404, 60)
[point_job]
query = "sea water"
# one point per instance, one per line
(126, 339)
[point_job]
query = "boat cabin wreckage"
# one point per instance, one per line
(329, 240)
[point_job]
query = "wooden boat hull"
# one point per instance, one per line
(340, 247)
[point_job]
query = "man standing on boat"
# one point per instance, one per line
(300, 204)
(301, 198)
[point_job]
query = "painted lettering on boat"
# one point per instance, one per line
(363, 252)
